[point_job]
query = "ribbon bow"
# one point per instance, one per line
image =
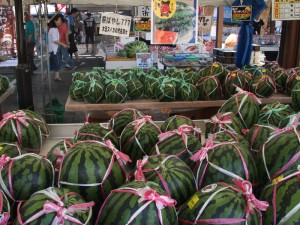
(4, 218)
(141, 121)
(60, 155)
(253, 203)
(119, 155)
(219, 120)
(241, 91)
(19, 117)
(139, 174)
(202, 153)
(4, 159)
(182, 130)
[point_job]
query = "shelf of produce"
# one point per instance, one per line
(6, 94)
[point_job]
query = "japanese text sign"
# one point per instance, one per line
(143, 60)
(115, 25)
(241, 13)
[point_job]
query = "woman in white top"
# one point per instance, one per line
(53, 41)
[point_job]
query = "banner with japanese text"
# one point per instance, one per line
(115, 25)
(7, 30)
(174, 21)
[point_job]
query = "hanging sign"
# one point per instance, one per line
(144, 60)
(142, 24)
(204, 24)
(241, 13)
(285, 10)
(143, 11)
(7, 29)
(115, 25)
(174, 21)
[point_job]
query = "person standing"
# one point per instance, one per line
(54, 43)
(30, 41)
(64, 38)
(90, 29)
(257, 24)
(72, 32)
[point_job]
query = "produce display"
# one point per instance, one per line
(4, 84)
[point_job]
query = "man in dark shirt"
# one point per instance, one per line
(257, 24)
(89, 28)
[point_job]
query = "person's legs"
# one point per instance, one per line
(66, 57)
(93, 42)
(55, 64)
(30, 55)
(87, 37)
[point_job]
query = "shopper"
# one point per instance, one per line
(30, 41)
(54, 43)
(257, 24)
(64, 54)
(89, 29)
(72, 32)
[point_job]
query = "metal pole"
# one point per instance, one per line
(23, 71)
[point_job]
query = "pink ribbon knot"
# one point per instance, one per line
(141, 121)
(119, 155)
(60, 155)
(19, 117)
(4, 160)
(221, 121)
(182, 130)
(241, 91)
(253, 202)
(139, 174)
(202, 153)
(4, 219)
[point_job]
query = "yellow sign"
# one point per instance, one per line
(193, 201)
(164, 9)
(277, 179)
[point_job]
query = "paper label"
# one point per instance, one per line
(193, 201)
(277, 179)
(1, 148)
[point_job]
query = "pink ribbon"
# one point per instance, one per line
(245, 131)
(141, 121)
(4, 218)
(182, 130)
(241, 91)
(219, 120)
(139, 174)
(202, 153)
(60, 155)
(19, 116)
(4, 160)
(119, 155)
(253, 203)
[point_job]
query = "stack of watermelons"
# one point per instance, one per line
(4, 84)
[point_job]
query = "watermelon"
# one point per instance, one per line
(292, 80)
(93, 169)
(25, 127)
(272, 65)
(11, 149)
(221, 203)
(99, 70)
(92, 76)
(273, 113)
(188, 92)
(287, 121)
(280, 76)
(191, 77)
(54, 206)
(24, 175)
(78, 76)
(259, 72)
(172, 175)
(245, 106)
(154, 72)
(128, 76)
(122, 118)
(97, 132)
(223, 121)
(165, 37)
(215, 69)
(170, 71)
(174, 122)
(5, 209)
(263, 86)
(139, 137)
(137, 203)
(296, 97)
(4, 84)
(118, 73)
(283, 194)
(167, 91)
(135, 88)
(135, 47)
(258, 135)
(151, 85)
(222, 162)
(209, 88)
(180, 142)
(232, 80)
(93, 92)
(122, 53)
(280, 153)
(116, 91)
(76, 90)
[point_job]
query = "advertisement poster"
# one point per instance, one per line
(144, 60)
(174, 21)
(285, 10)
(7, 30)
(241, 13)
(204, 25)
(142, 24)
(115, 25)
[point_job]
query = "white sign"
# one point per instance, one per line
(143, 11)
(204, 24)
(144, 60)
(115, 25)
(286, 10)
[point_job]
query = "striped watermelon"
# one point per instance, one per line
(93, 169)
(233, 79)
(215, 69)
(280, 76)
(223, 121)
(245, 106)
(118, 73)
(283, 194)
(116, 91)
(11, 149)
(97, 132)
(188, 92)
(99, 70)
(180, 142)
(92, 76)
(167, 91)
(122, 118)
(222, 162)
(292, 80)
(170, 71)
(260, 71)
(263, 86)
(191, 76)
(24, 175)
(76, 90)
(273, 113)
(155, 72)
(258, 135)
(5, 209)
(4, 84)
(25, 127)
(272, 65)
(151, 85)
(172, 175)
(137, 203)
(93, 92)
(221, 203)
(296, 97)
(138, 138)
(280, 153)
(287, 121)
(209, 88)
(54, 206)
(128, 75)
(135, 47)
(174, 122)
(77, 76)
(135, 88)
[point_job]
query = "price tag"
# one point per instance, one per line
(277, 179)
(1, 148)
(193, 201)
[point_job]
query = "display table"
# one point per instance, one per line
(6, 94)
(165, 108)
